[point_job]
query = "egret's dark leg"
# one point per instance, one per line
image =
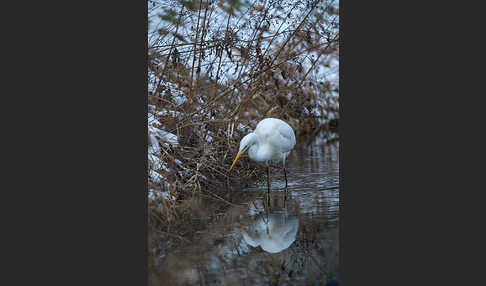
(286, 189)
(268, 179)
(285, 173)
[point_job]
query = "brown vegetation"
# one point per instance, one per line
(216, 68)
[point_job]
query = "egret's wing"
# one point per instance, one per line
(287, 137)
(276, 133)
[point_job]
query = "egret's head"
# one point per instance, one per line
(245, 144)
(247, 141)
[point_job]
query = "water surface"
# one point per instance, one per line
(247, 238)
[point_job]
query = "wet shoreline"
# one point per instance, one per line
(247, 238)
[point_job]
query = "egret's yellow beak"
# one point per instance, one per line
(236, 159)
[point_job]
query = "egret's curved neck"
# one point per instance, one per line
(258, 151)
(252, 140)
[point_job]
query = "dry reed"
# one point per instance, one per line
(215, 70)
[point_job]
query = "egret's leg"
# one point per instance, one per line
(285, 173)
(268, 178)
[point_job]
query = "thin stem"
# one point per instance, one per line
(195, 51)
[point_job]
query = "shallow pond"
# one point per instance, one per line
(247, 238)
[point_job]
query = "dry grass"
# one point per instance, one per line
(211, 81)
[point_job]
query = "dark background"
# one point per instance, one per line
(75, 143)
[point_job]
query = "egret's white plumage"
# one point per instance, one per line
(272, 141)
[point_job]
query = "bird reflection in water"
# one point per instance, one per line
(272, 232)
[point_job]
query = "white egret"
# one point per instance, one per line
(272, 141)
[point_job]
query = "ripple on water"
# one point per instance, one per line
(293, 239)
